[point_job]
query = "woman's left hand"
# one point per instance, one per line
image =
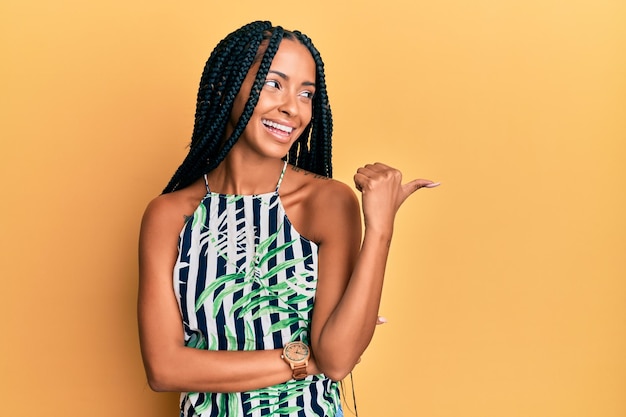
(383, 193)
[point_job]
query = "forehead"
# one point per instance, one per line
(294, 59)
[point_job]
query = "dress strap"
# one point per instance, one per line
(282, 174)
(206, 184)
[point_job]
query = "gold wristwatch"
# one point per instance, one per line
(297, 355)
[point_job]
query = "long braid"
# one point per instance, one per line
(221, 80)
(317, 157)
(223, 75)
(255, 92)
(226, 94)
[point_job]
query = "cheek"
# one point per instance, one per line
(308, 115)
(306, 111)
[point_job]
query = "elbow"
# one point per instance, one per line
(338, 374)
(335, 364)
(337, 371)
(159, 378)
(157, 385)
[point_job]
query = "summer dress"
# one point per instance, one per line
(245, 280)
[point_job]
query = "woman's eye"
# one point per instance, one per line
(272, 83)
(307, 94)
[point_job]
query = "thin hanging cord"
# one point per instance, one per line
(343, 390)
(356, 412)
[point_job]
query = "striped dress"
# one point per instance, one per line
(245, 280)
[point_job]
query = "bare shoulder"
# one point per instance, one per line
(170, 211)
(337, 197)
(320, 190)
(316, 204)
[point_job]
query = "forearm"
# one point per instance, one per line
(350, 328)
(196, 370)
(349, 298)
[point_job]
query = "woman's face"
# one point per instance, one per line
(284, 108)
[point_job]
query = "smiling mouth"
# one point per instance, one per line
(277, 127)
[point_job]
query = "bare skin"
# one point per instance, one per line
(327, 212)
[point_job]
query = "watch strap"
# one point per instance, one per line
(299, 371)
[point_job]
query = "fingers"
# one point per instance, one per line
(376, 166)
(370, 170)
(371, 173)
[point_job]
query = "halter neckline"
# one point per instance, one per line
(280, 181)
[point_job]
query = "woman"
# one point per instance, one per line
(256, 294)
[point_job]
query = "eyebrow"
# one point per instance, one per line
(286, 77)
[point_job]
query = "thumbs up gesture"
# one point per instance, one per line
(383, 193)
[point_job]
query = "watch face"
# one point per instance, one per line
(296, 351)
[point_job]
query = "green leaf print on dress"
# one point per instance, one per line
(275, 399)
(259, 295)
(251, 279)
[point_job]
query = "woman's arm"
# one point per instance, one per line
(170, 366)
(351, 277)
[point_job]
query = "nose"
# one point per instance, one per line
(288, 105)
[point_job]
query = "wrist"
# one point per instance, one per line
(296, 355)
(382, 235)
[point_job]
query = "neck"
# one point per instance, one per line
(237, 176)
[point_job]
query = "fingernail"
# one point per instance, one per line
(433, 185)
(382, 320)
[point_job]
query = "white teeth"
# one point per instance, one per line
(284, 128)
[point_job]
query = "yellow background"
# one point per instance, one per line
(506, 288)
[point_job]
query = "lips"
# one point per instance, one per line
(277, 127)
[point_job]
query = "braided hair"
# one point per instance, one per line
(223, 75)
